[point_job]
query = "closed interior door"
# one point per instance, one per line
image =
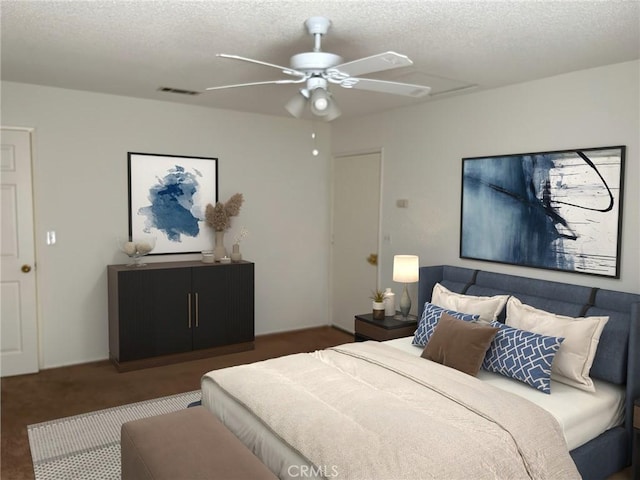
(355, 233)
(18, 329)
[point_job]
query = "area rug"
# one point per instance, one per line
(88, 446)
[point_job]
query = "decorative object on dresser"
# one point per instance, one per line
(167, 198)
(219, 218)
(388, 328)
(136, 248)
(236, 256)
(175, 311)
(405, 270)
(219, 250)
(559, 210)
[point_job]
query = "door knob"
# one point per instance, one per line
(26, 268)
(373, 259)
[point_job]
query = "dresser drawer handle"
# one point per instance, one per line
(189, 297)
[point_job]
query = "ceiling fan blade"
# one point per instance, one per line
(374, 63)
(285, 70)
(269, 82)
(383, 86)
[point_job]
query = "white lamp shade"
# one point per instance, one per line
(405, 268)
(333, 111)
(296, 105)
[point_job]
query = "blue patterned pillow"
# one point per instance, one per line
(522, 355)
(431, 317)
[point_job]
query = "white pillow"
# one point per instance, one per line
(581, 336)
(487, 307)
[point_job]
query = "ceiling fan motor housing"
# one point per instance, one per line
(314, 62)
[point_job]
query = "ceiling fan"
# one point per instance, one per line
(317, 69)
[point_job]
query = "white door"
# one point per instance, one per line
(18, 324)
(355, 232)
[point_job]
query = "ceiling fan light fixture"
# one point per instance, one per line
(319, 101)
(296, 105)
(333, 111)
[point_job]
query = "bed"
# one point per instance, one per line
(379, 410)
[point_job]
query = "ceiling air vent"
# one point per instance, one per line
(177, 90)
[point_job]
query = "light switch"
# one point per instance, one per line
(51, 237)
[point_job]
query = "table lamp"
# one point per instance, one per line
(405, 270)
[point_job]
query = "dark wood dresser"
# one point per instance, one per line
(175, 311)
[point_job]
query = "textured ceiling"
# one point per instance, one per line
(134, 47)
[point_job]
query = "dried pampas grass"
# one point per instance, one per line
(232, 207)
(219, 216)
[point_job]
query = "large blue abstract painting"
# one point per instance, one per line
(168, 195)
(558, 210)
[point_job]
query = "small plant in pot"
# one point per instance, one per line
(378, 304)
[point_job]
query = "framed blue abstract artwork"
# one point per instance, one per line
(168, 195)
(559, 210)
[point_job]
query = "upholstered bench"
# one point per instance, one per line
(188, 444)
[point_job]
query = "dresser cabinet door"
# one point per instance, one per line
(225, 311)
(154, 312)
(241, 304)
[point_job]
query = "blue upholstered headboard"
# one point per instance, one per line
(618, 356)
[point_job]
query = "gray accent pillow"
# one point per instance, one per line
(459, 344)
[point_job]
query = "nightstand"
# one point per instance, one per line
(635, 465)
(367, 328)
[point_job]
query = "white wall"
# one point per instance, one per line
(80, 187)
(423, 147)
(80, 180)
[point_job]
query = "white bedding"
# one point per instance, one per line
(306, 398)
(276, 454)
(582, 415)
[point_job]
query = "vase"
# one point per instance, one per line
(378, 310)
(389, 303)
(236, 256)
(219, 251)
